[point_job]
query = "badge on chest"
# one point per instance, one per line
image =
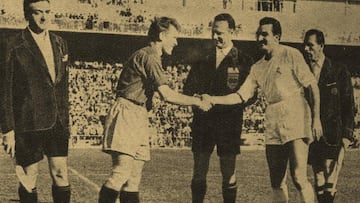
(233, 77)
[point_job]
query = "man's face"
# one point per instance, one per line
(169, 39)
(312, 49)
(39, 16)
(222, 34)
(266, 38)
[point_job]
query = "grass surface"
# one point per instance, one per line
(166, 178)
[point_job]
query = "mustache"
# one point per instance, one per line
(262, 42)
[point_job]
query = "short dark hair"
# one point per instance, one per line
(226, 17)
(161, 24)
(276, 27)
(320, 39)
(26, 6)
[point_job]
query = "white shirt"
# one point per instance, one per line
(316, 66)
(221, 53)
(43, 42)
(280, 78)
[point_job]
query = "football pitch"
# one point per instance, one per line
(167, 178)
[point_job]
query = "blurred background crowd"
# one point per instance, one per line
(92, 91)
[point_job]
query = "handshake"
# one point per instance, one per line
(205, 103)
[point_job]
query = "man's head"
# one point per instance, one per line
(222, 30)
(268, 34)
(37, 13)
(166, 31)
(314, 43)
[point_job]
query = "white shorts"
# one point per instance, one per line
(127, 130)
(288, 120)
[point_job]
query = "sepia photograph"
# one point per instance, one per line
(179, 101)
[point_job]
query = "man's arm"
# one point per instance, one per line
(7, 72)
(6, 98)
(171, 96)
(316, 123)
(246, 92)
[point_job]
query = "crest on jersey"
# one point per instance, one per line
(233, 77)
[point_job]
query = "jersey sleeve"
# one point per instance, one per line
(302, 70)
(155, 72)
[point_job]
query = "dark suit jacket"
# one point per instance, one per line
(205, 78)
(31, 101)
(337, 109)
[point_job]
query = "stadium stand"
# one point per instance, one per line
(92, 91)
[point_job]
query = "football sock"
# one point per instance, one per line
(107, 195)
(27, 197)
(229, 193)
(61, 194)
(129, 197)
(198, 190)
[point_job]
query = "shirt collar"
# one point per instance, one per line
(226, 50)
(43, 35)
(321, 60)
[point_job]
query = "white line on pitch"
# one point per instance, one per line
(85, 179)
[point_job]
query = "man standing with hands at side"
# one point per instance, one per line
(220, 70)
(34, 105)
(336, 113)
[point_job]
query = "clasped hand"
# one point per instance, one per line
(204, 103)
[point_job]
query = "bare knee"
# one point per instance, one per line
(132, 184)
(121, 171)
(58, 171)
(28, 175)
(300, 180)
(60, 176)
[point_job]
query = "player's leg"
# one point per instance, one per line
(121, 170)
(198, 182)
(298, 169)
(59, 174)
(277, 159)
(318, 166)
(229, 186)
(332, 170)
(56, 147)
(130, 192)
(29, 152)
(319, 179)
(27, 188)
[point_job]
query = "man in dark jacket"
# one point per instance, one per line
(219, 70)
(34, 103)
(336, 114)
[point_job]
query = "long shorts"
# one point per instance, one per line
(319, 151)
(127, 130)
(222, 131)
(31, 146)
(288, 120)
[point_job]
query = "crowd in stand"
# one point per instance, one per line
(91, 86)
(92, 91)
(134, 16)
